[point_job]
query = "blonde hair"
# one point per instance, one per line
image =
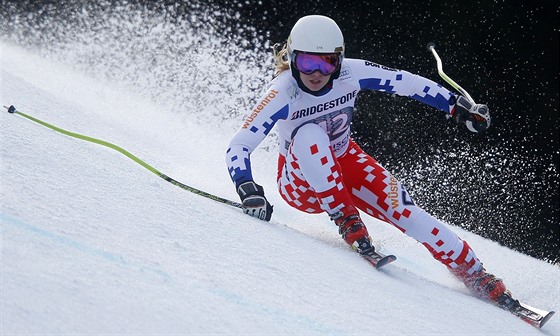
(280, 58)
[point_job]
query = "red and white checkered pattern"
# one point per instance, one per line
(311, 179)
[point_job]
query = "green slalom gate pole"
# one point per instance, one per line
(432, 47)
(134, 158)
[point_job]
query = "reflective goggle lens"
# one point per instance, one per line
(309, 63)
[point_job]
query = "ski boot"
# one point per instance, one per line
(486, 286)
(483, 284)
(353, 230)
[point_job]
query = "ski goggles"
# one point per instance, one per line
(308, 63)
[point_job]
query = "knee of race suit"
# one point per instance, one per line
(308, 135)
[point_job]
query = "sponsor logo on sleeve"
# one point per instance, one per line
(375, 65)
(271, 95)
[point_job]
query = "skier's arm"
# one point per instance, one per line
(271, 108)
(403, 83)
(475, 116)
(373, 76)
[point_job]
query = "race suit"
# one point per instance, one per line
(321, 169)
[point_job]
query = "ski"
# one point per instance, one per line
(534, 316)
(378, 260)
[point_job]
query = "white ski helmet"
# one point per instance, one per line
(315, 34)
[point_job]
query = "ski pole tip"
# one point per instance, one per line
(430, 46)
(11, 109)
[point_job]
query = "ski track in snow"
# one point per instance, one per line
(93, 243)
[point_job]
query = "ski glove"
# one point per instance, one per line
(253, 200)
(475, 116)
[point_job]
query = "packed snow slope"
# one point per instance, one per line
(93, 243)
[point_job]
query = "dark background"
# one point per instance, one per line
(502, 184)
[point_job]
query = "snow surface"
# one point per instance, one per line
(92, 243)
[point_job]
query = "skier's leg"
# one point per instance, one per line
(376, 192)
(309, 179)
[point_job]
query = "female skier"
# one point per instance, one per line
(321, 169)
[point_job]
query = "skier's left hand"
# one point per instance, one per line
(475, 116)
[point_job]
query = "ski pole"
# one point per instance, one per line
(13, 110)
(432, 47)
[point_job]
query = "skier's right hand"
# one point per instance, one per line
(475, 116)
(253, 200)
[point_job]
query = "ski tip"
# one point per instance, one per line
(385, 260)
(546, 318)
(430, 46)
